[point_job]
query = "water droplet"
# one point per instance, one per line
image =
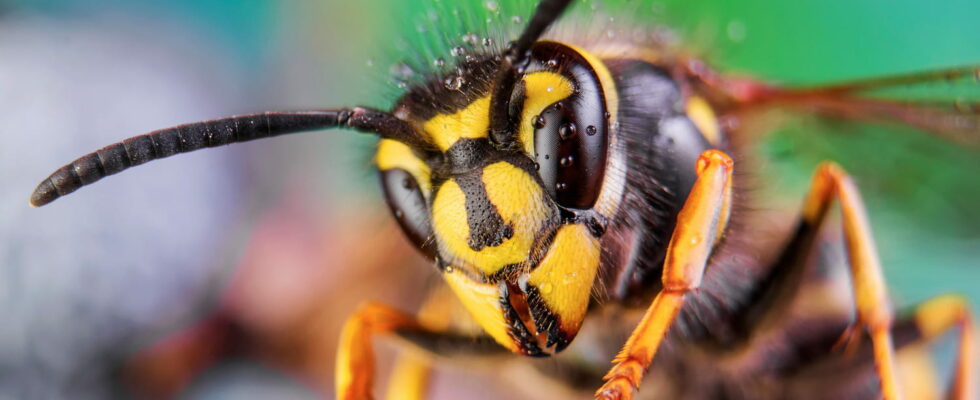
(439, 62)
(401, 84)
(399, 214)
(471, 38)
(492, 6)
(549, 89)
(457, 51)
(551, 63)
(537, 167)
(547, 156)
(590, 130)
(450, 269)
(566, 161)
(545, 288)
(539, 122)
(561, 186)
(567, 130)
(607, 115)
(402, 71)
(487, 42)
(454, 82)
(517, 19)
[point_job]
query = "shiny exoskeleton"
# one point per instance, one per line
(562, 187)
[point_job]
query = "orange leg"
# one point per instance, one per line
(410, 377)
(871, 298)
(430, 335)
(700, 224)
(355, 361)
(936, 317)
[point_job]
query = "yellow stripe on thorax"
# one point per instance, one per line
(541, 89)
(704, 118)
(520, 203)
(393, 154)
(471, 122)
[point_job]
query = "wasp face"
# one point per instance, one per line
(514, 223)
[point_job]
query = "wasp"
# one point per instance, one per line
(581, 199)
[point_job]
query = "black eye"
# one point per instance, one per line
(570, 136)
(407, 204)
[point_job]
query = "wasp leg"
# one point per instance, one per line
(410, 377)
(700, 224)
(848, 373)
(355, 360)
(871, 297)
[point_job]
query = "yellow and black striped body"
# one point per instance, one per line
(602, 162)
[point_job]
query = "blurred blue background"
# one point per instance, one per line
(93, 278)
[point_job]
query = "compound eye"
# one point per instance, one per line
(408, 205)
(570, 140)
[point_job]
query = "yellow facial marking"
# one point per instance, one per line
(565, 276)
(393, 154)
(520, 203)
(704, 118)
(542, 89)
(470, 122)
(483, 303)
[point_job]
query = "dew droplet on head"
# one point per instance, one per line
(566, 161)
(454, 82)
(539, 122)
(567, 130)
(590, 130)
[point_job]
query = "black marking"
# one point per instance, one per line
(526, 343)
(451, 344)
(487, 228)
(546, 320)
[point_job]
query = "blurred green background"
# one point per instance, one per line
(922, 193)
